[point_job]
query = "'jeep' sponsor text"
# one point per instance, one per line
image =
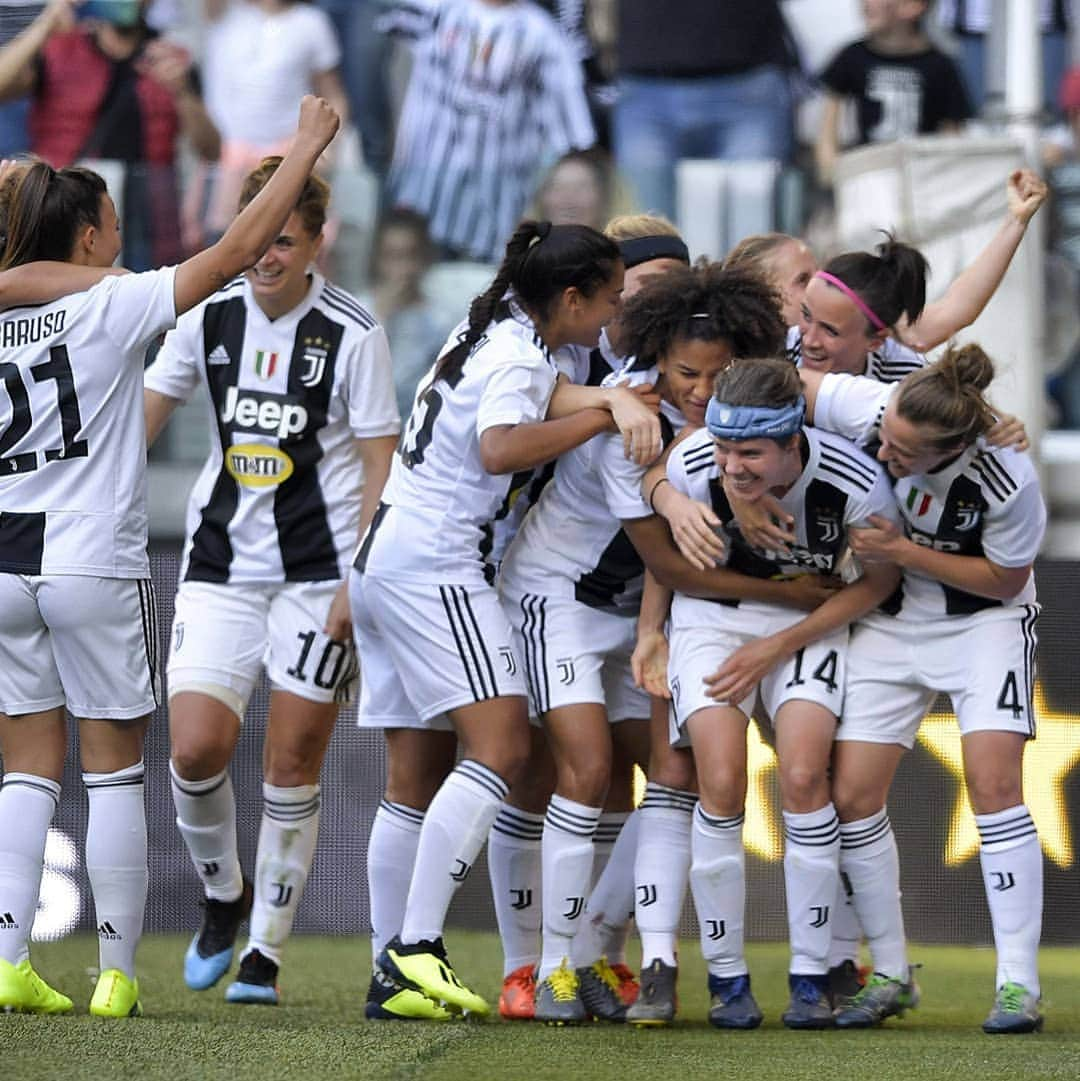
(270, 413)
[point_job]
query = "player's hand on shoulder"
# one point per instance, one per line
(1009, 431)
(694, 527)
(880, 541)
(634, 410)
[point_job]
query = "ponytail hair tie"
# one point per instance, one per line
(542, 230)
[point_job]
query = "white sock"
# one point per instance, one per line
(455, 828)
(116, 863)
(27, 806)
(287, 837)
(206, 818)
(1012, 867)
(869, 859)
(514, 860)
(661, 869)
(567, 854)
(610, 907)
(391, 856)
(846, 932)
(811, 866)
(718, 881)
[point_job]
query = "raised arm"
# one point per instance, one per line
(255, 227)
(17, 74)
(973, 287)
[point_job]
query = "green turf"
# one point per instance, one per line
(319, 1031)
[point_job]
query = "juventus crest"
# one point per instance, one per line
(314, 357)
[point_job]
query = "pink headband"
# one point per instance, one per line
(853, 297)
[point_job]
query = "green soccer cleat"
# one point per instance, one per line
(423, 966)
(558, 998)
(882, 997)
(389, 1001)
(1016, 1011)
(22, 990)
(115, 996)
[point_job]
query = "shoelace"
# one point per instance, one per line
(1011, 997)
(807, 991)
(606, 974)
(564, 984)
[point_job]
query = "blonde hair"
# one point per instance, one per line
(635, 226)
(756, 252)
(313, 201)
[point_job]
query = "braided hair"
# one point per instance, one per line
(542, 261)
(704, 302)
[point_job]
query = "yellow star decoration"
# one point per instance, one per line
(1048, 760)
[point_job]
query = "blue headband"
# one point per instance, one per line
(741, 422)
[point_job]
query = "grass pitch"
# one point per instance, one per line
(319, 1032)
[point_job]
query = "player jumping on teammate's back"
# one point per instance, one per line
(303, 428)
(75, 594)
(490, 410)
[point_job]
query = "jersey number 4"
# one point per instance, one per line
(58, 369)
(417, 436)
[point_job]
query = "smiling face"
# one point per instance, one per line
(791, 266)
(755, 466)
(909, 450)
(580, 319)
(835, 334)
(688, 374)
(279, 280)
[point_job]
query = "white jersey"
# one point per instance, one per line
(985, 503)
(440, 505)
(889, 364)
(72, 437)
(572, 544)
(839, 487)
(279, 497)
(494, 93)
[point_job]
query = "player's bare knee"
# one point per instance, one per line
(854, 802)
(992, 792)
(723, 792)
(803, 788)
(196, 759)
(585, 782)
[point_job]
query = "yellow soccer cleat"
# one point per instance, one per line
(115, 996)
(22, 990)
(423, 966)
(389, 1001)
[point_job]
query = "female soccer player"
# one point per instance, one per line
(721, 655)
(76, 607)
(962, 624)
(437, 647)
(304, 424)
(571, 583)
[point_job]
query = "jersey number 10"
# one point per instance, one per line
(58, 369)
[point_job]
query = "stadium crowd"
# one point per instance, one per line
(617, 506)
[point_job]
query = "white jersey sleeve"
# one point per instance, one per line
(851, 406)
(621, 477)
(176, 369)
(516, 392)
(368, 388)
(137, 307)
(1014, 525)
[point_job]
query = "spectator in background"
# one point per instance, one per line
(15, 17)
(900, 83)
(687, 93)
(113, 90)
(970, 21)
(401, 254)
(577, 190)
(494, 94)
(261, 58)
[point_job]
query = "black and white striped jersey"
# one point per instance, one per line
(279, 497)
(839, 487)
(440, 505)
(495, 93)
(572, 543)
(889, 364)
(72, 437)
(986, 503)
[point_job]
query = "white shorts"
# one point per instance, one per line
(223, 635)
(984, 662)
(814, 674)
(574, 654)
(88, 643)
(426, 649)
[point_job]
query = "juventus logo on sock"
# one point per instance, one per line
(521, 899)
(647, 891)
(715, 929)
(1003, 880)
(460, 871)
(211, 868)
(821, 915)
(282, 894)
(577, 906)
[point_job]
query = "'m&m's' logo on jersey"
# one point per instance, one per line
(256, 465)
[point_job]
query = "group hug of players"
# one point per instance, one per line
(637, 501)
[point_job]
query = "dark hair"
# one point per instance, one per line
(42, 211)
(313, 201)
(399, 217)
(704, 302)
(761, 381)
(541, 261)
(948, 395)
(890, 284)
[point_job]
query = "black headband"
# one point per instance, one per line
(642, 249)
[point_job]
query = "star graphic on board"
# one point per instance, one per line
(763, 832)
(1048, 761)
